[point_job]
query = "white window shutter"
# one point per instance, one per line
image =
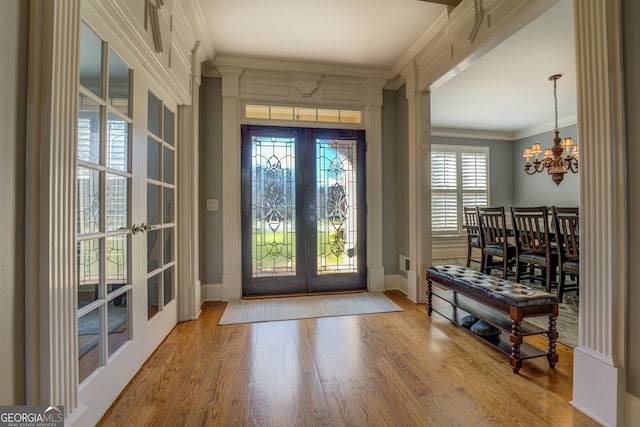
(459, 178)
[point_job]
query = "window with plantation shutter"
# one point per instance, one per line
(459, 178)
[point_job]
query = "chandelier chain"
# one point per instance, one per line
(555, 102)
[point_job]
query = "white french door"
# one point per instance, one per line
(125, 218)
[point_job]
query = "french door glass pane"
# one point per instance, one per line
(117, 206)
(153, 204)
(168, 126)
(89, 201)
(117, 143)
(153, 117)
(167, 165)
(337, 220)
(168, 285)
(88, 271)
(274, 206)
(89, 342)
(168, 245)
(119, 85)
(167, 206)
(154, 250)
(153, 159)
(91, 63)
(153, 295)
(88, 130)
(117, 268)
(118, 321)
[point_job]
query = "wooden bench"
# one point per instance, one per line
(500, 303)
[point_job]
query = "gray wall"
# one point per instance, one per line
(389, 181)
(539, 189)
(500, 169)
(210, 167)
(631, 46)
(14, 26)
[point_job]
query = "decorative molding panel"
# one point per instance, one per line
(343, 95)
(270, 90)
(291, 67)
(306, 83)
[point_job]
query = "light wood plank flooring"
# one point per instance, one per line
(390, 369)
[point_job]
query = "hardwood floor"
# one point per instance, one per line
(402, 369)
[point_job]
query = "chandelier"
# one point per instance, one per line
(553, 161)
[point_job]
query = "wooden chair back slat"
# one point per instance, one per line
(531, 229)
(567, 228)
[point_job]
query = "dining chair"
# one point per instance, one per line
(473, 232)
(533, 245)
(566, 225)
(494, 241)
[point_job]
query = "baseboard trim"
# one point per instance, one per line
(396, 282)
(77, 418)
(214, 291)
(631, 410)
(211, 292)
(596, 386)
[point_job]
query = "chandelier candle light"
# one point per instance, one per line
(553, 162)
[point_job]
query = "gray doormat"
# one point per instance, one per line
(273, 309)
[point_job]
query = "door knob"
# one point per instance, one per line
(142, 228)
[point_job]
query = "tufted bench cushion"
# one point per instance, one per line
(504, 291)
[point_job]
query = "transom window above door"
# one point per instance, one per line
(307, 114)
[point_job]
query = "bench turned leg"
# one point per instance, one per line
(516, 342)
(552, 356)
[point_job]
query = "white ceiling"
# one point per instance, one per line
(507, 90)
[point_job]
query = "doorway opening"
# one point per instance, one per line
(303, 210)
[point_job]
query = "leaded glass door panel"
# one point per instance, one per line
(302, 227)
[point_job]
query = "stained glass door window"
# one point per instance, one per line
(303, 230)
(273, 209)
(337, 207)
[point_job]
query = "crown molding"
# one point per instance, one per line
(395, 83)
(545, 127)
(427, 37)
(503, 136)
(299, 67)
(472, 134)
(193, 13)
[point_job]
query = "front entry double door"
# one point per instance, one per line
(303, 210)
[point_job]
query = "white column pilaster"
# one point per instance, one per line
(419, 185)
(51, 299)
(232, 231)
(189, 290)
(598, 387)
(374, 189)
